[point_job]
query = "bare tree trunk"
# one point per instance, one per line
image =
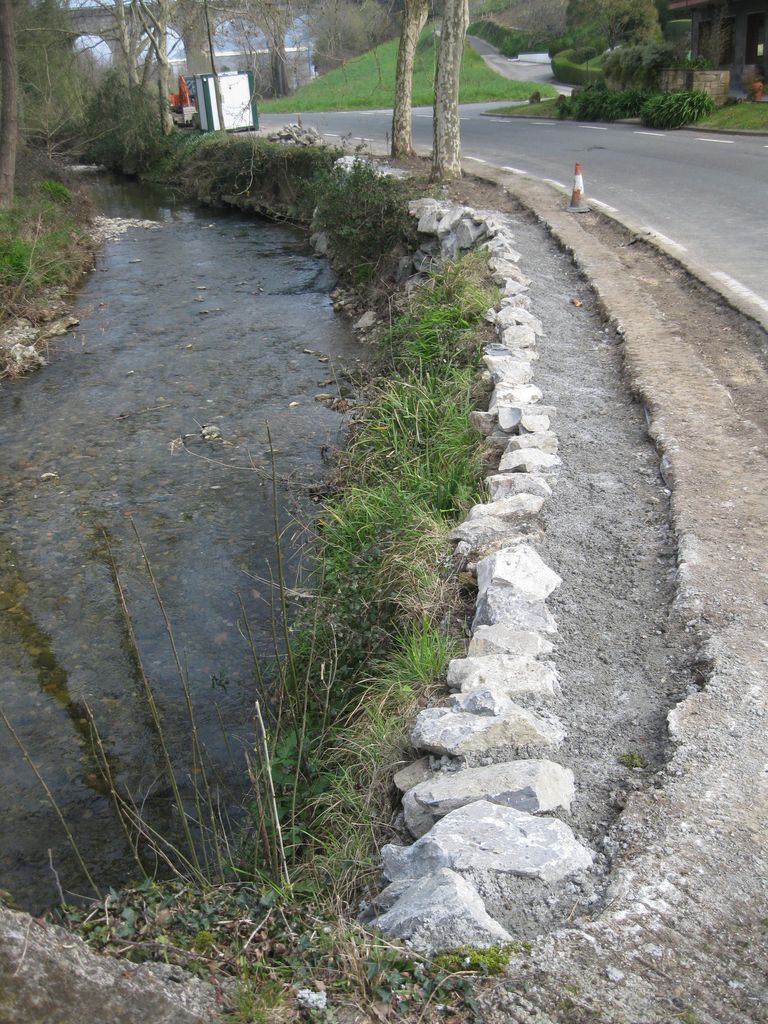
(9, 116)
(155, 21)
(446, 145)
(216, 84)
(414, 19)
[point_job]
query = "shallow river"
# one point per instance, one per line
(201, 321)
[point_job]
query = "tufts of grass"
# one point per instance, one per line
(368, 82)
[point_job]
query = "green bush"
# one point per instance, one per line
(365, 216)
(56, 191)
(509, 41)
(15, 256)
(640, 66)
(675, 109)
(565, 69)
(122, 126)
(601, 104)
(254, 174)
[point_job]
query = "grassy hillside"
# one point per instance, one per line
(368, 82)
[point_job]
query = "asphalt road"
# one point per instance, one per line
(704, 192)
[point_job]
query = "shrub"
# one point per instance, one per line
(565, 69)
(675, 109)
(56, 191)
(640, 66)
(601, 104)
(365, 216)
(122, 126)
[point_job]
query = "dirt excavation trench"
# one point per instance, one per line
(658, 529)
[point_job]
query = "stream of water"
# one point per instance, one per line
(206, 319)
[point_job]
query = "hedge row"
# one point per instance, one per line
(565, 69)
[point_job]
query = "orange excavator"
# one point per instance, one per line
(183, 108)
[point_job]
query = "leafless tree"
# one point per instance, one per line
(9, 120)
(414, 18)
(446, 142)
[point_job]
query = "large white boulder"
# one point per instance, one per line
(483, 837)
(535, 786)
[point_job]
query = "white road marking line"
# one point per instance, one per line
(333, 135)
(656, 135)
(724, 142)
(363, 139)
(740, 289)
(551, 181)
(594, 127)
(516, 170)
(422, 115)
(665, 238)
(478, 160)
(605, 206)
(549, 124)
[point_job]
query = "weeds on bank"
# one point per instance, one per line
(41, 245)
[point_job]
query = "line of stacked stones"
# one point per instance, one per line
(480, 804)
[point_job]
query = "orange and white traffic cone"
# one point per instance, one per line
(577, 196)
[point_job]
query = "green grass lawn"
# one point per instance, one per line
(547, 108)
(742, 115)
(369, 82)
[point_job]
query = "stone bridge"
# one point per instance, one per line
(188, 23)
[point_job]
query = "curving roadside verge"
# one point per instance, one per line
(681, 933)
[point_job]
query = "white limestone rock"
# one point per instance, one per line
(483, 536)
(502, 604)
(515, 394)
(512, 286)
(508, 369)
(517, 506)
(545, 441)
(458, 733)
(509, 316)
(503, 485)
(486, 837)
(522, 569)
(441, 911)
(518, 336)
(483, 422)
(529, 460)
(513, 675)
(467, 232)
(535, 786)
(412, 774)
(501, 639)
(536, 419)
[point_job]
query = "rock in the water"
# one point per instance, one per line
(521, 568)
(529, 460)
(442, 911)
(502, 604)
(514, 675)
(534, 786)
(486, 837)
(501, 639)
(458, 733)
